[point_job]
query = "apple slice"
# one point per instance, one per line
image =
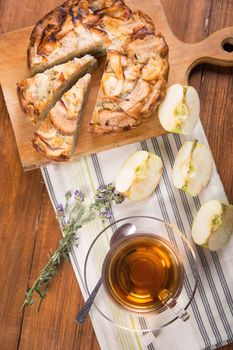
(213, 225)
(192, 168)
(139, 175)
(180, 109)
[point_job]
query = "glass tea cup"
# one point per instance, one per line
(159, 250)
(143, 273)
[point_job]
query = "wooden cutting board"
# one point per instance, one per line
(182, 57)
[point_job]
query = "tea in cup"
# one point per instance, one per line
(142, 272)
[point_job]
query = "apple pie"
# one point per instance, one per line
(135, 77)
(57, 133)
(132, 86)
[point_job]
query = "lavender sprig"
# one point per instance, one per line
(103, 199)
(71, 217)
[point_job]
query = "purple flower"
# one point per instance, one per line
(100, 197)
(79, 195)
(60, 208)
(106, 214)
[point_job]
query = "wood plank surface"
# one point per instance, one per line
(28, 229)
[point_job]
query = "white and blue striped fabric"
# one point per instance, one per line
(211, 322)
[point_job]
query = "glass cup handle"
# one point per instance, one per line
(168, 300)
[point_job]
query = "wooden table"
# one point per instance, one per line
(28, 229)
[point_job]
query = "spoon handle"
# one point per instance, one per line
(83, 313)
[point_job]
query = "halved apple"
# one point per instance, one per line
(180, 109)
(193, 167)
(139, 175)
(213, 225)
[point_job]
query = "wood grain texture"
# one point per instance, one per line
(20, 203)
(182, 57)
(27, 226)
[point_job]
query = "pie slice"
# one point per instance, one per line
(38, 94)
(57, 133)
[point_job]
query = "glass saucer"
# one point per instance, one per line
(115, 314)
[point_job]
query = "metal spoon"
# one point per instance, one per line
(122, 231)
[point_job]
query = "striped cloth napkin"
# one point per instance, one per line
(211, 322)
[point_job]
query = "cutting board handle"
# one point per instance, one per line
(211, 50)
